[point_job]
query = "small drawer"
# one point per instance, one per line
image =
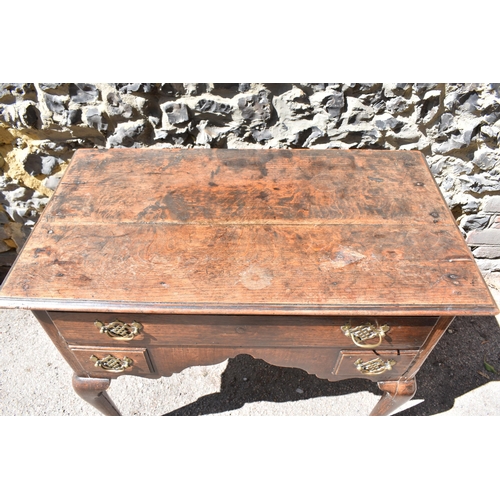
(112, 362)
(379, 365)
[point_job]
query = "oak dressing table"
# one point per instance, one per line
(341, 263)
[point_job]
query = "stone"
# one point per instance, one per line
(175, 112)
(450, 102)
(151, 110)
(29, 114)
(448, 183)
(460, 167)
(52, 182)
(116, 107)
(484, 237)
(51, 146)
(492, 252)
(4, 218)
(398, 105)
(4, 247)
(469, 103)
(55, 103)
(127, 134)
(389, 90)
(314, 133)
(255, 107)
(490, 131)
(172, 89)
(436, 165)
(470, 207)
(175, 138)
(95, 119)
(207, 134)
(211, 106)
(49, 86)
(363, 87)
(15, 89)
(83, 92)
(194, 88)
(13, 214)
(477, 221)
(9, 115)
(262, 135)
(370, 137)
(41, 164)
(14, 193)
(447, 123)
(457, 142)
(330, 100)
(16, 234)
(71, 117)
(295, 104)
(128, 88)
(492, 119)
(491, 106)
(409, 133)
(388, 122)
(430, 93)
(357, 113)
(335, 104)
(495, 222)
(486, 159)
(488, 265)
(480, 183)
(492, 205)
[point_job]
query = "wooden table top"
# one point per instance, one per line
(322, 232)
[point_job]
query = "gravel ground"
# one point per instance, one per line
(35, 380)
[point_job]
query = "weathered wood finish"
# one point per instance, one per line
(396, 393)
(93, 391)
(346, 367)
(251, 331)
(268, 253)
(141, 361)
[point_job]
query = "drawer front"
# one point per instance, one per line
(112, 362)
(382, 365)
(250, 331)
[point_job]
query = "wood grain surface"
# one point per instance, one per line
(241, 330)
(248, 232)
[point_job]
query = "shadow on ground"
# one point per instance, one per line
(456, 366)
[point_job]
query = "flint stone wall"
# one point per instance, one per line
(456, 126)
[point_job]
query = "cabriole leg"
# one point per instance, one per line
(396, 393)
(93, 391)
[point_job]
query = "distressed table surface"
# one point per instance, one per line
(248, 231)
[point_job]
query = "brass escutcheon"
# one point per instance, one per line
(375, 366)
(365, 332)
(119, 330)
(111, 363)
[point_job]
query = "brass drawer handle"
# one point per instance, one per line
(111, 363)
(360, 334)
(375, 366)
(119, 330)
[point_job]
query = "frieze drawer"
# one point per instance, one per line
(163, 329)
